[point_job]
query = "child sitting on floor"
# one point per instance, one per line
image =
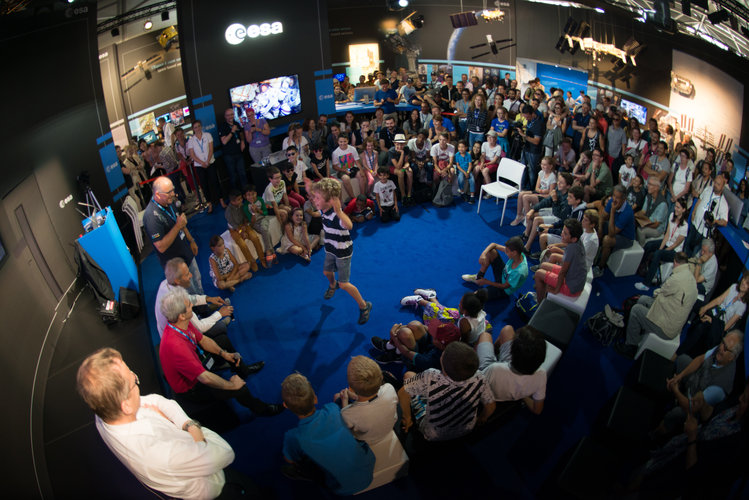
(360, 209)
(321, 445)
(224, 269)
(369, 407)
(295, 238)
(255, 210)
(240, 230)
(444, 403)
(384, 190)
(469, 316)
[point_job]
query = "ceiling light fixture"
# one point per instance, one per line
(147, 25)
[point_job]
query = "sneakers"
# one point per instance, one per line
(535, 268)
(411, 300)
(487, 196)
(642, 287)
(472, 200)
(471, 278)
(535, 256)
(331, 290)
(364, 313)
(386, 357)
(379, 343)
(597, 272)
(426, 293)
(613, 316)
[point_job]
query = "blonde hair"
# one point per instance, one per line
(364, 376)
(102, 387)
(297, 394)
(328, 188)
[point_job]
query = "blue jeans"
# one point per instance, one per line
(474, 137)
(196, 285)
(462, 179)
(531, 161)
(235, 166)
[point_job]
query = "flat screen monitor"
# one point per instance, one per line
(142, 124)
(635, 111)
(149, 136)
(166, 116)
(178, 117)
(735, 206)
(360, 92)
(186, 111)
(270, 99)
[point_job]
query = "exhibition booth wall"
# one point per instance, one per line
(53, 114)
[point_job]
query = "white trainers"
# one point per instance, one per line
(411, 300)
(426, 293)
(471, 278)
(642, 287)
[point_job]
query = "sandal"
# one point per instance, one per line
(330, 291)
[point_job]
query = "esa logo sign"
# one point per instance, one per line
(236, 33)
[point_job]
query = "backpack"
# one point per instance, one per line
(527, 304)
(444, 195)
(602, 329)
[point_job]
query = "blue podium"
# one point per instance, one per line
(107, 247)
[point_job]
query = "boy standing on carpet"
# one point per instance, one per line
(326, 195)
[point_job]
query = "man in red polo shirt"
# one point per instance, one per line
(187, 357)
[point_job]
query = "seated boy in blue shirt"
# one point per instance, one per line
(322, 442)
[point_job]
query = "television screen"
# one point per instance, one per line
(142, 124)
(635, 111)
(186, 111)
(149, 136)
(360, 92)
(272, 98)
(177, 117)
(166, 116)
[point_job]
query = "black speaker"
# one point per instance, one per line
(129, 303)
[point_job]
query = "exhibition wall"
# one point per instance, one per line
(54, 115)
(211, 65)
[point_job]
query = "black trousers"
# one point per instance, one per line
(209, 181)
(239, 486)
(203, 394)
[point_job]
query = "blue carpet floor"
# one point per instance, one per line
(282, 318)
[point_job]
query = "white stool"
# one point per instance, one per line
(624, 262)
(664, 347)
(391, 462)
(574, 304)
(553, 354)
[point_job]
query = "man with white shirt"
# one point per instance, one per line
(154, 438)
(213, 323)
(710, 212)
(200, 149)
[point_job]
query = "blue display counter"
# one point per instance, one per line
(107, 247)
(360, 107)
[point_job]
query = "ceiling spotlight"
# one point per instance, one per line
(147, 25)
(165, 16)
(396, 4)
(600, 10)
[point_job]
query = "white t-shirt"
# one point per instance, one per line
(345, 159)
(626, 174)
(420, 153)
(720, 211)
(507, 385)
(681, 177)
(674, 233)
(372, 421)
(732, 304)
(443, 154)
(300, 146)
(385, 192)
(590, 242)
(491, 154)
(546, 180)
(200, 147)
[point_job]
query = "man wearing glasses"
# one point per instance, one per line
(153, 437)
(168, 231)
(702, 382)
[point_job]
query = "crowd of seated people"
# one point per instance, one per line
(595, 183)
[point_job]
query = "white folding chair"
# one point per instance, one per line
(511, 171)
(130, 207)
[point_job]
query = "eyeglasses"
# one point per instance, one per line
(290, 154)
(137, 382)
